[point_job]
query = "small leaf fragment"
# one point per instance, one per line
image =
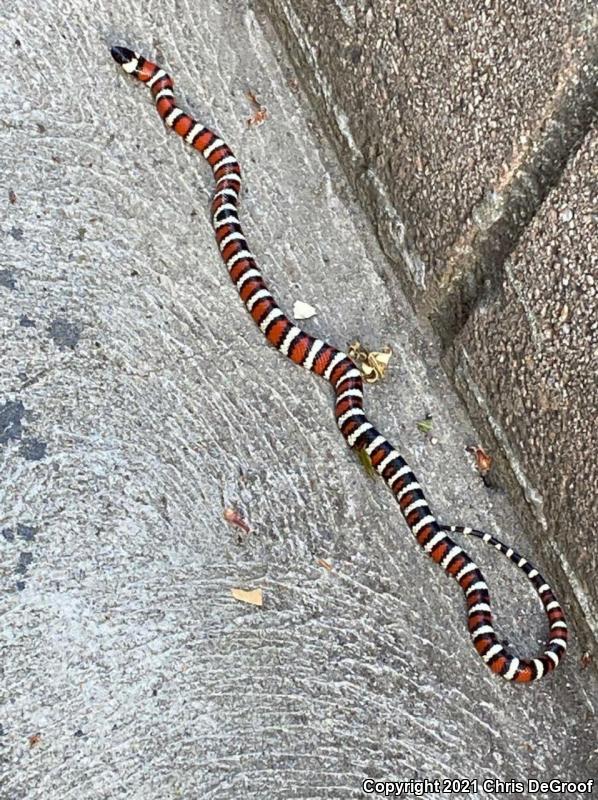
(564, 315)
(234, 517)
(260, 112)
(586, 660)
(252, 596)
(425, 425)
(303, 310)
(321, 562)
(366, 462)
(482, 459)
(251, 96)
(34, 739)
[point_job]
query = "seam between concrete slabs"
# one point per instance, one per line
(500, 220)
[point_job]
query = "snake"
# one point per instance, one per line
(342, 373)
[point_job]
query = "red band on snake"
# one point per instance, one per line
(337, 368)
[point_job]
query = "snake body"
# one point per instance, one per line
(336, 367)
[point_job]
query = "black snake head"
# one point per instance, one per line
(122, 55)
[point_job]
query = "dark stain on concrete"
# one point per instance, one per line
(26, 322)
(7, 279)
(65, 334)
(11, 420)
(26, 532)
(16, 233)
(25, 559)
(33, 449)
(7, 534)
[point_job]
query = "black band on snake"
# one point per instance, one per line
(337, 368)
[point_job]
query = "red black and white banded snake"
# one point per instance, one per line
(337, 368)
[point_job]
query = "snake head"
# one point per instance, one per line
(126, 58)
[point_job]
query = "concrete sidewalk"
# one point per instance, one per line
(138, 401)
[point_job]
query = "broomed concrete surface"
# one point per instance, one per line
(138, 402)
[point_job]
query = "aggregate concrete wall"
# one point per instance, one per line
(138, 402)
(454, 122)
(540, 378)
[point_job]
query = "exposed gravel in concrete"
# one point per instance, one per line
(544, 326)
(436, 107)
(149, 403)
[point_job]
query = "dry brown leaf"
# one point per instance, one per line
(260, 112)
(250, 94)
(34, 739)
(252, 596)
(586, 659)
(482, 459)
(257, 118)
(323, 563)
(232, 515)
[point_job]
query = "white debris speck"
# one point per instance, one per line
(303, 310)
